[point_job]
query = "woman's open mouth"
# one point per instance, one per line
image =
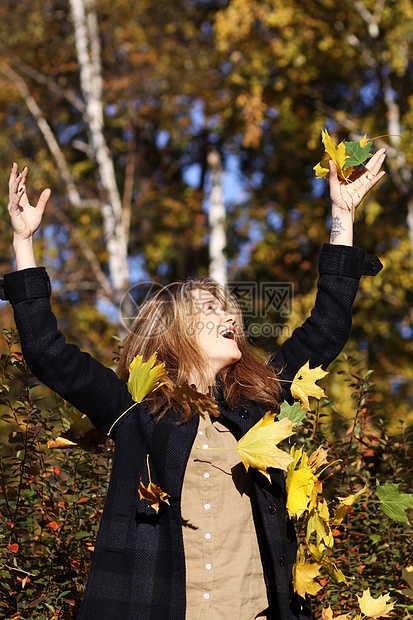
(228, 333)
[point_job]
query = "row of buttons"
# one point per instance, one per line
(207, 506)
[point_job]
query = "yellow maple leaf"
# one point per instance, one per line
(145, 377)
(318, 522)
(152, 492)
(336, 152)
(317, 458)
(375, 607)
(258, 447)
(407, 575)
(344, 506)
(364, 141)
(303, 384)
(200, 403)
(300, 483)
(327, 564)
(304, 574)
(322, 169)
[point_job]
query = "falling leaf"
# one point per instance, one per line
(292, 412)
(356, 154)
(318, 521)
(300, 483)
(14, 547)
(317, 458)
(258, 447)
(304, 574)
(393, 503)
(375, 607)
(152, 492)
(345, 504)
(199, 403)
(80, 432)
(79, 423)
(303, 384)
(407, 576)
(60, 442)
(327, 564)
(90, 442)
(144, 377)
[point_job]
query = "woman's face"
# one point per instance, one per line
(215, 330)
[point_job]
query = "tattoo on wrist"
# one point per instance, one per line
(336, 228)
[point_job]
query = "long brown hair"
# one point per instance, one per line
(164, 324)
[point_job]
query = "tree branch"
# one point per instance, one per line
(44, 80)
(46, 131)
(89, 254)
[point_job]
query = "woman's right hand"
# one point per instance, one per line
(25, 218)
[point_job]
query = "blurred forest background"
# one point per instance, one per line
(133, 113)
(116, 108)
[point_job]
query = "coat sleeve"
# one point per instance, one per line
(80, 379)
(323, 335)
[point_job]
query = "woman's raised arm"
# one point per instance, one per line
(25, 218)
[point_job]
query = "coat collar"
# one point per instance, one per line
(172, 442)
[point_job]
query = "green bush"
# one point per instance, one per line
(51, 501)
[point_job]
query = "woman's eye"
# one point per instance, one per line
(209, 307)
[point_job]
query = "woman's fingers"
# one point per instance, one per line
(17, 185)
(374, 164)
(13, 175)
(44, 197)
(376, 179)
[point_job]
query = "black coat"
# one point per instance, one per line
(138, 566)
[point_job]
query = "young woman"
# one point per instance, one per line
(223, 549)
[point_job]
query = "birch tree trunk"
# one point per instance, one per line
(216, 218)
(89, 61)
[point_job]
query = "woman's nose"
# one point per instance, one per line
(229, 317)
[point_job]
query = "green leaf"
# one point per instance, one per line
(292, 412)
(393, 503)
(145, 377)
(356, 154)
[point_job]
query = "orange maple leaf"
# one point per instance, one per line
(152, 492)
